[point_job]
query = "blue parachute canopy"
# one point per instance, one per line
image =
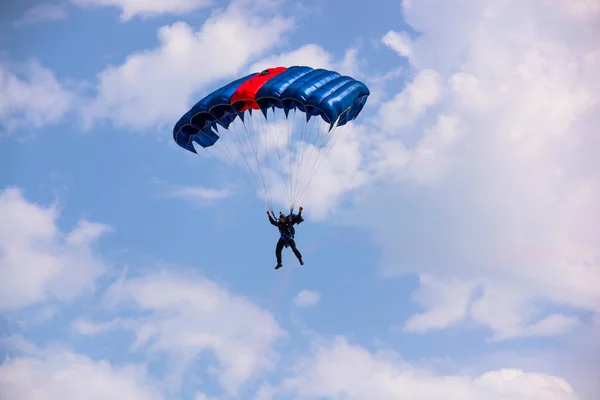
(335, 98)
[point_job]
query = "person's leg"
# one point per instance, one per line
(296, 251)
(278, 253)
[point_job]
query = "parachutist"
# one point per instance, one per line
(287, 231)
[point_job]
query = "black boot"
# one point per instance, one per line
(278, 266)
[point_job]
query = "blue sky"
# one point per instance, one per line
(450, 244)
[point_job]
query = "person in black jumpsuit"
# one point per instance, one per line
(287, 231)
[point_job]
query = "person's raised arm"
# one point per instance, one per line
(271, 219)
(298, 218)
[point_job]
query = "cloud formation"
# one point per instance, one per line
(178, 67)
(306, 298)
(189, 315)
(488, 155)
(146, 8)
(39, 262)
(340, 369)
(58, 373)
(31, 97)
(42, 12)
(176, 315)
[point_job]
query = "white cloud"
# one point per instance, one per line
(511, 314)
(311, 55)
(41, 13)
(342, 370)
(351, 64)
(189, 315)
(449, 301)
(585, 9)
(38, 262)
(185, 62)
(410, 104)
(180, 315)
(339, 170)
(494, 174)
(85, 327)
(195, 193)
(307, 298)
(378, 86)
(446, 301)
(144, 8)
(202, 396)
(56, 373)
(332, 369)
(399, 42)
(31, 97)
(265, 392)
(314, 56)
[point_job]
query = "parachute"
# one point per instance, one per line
(278, 125)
